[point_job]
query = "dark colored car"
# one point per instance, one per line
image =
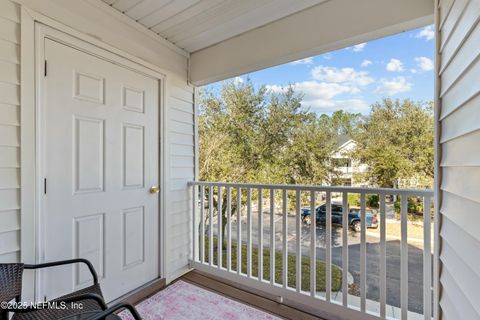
(354, 216)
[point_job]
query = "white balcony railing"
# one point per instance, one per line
(265, 244)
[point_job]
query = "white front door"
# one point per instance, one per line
(100, 158)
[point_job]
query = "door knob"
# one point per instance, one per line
(155, 189)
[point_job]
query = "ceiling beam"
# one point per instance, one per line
(322, 28)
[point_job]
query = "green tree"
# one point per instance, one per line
(253, 135)
(396, 141)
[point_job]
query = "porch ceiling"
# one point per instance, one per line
(196, 24)
(226, 38)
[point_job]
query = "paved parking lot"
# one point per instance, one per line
(415, 256)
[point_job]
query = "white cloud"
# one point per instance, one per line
(427, 33)
(365, 63)
(320, 96)
(424, 63)
(413, 71)
(393, 86)
(346, 76)
(328, 106)
(313, 90)
(395, 65)
(332, 89)
(359, 47)
(308, 60)
(327, 56)
(238, 80)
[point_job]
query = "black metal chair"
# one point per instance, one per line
(90, 297)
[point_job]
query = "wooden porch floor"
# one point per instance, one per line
(234, 292)
(230, 290)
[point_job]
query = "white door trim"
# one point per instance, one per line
(34, 29)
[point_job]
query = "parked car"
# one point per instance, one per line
(354, 216)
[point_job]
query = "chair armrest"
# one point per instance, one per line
(112, 309)
(64, 262)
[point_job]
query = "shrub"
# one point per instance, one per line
(354, 199)
(414, 205)
(371, 200)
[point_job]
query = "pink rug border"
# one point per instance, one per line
(182, 300)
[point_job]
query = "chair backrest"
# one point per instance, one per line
(10, 281)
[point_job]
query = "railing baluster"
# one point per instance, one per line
(427, 259)
(404, 259)
(249, 232)
(202, 224)
(345, 249)
(272, 236)
(328, 249)
(363, 253)
(210, 225)
(260, 235)
(239, 231)
(313, 245)
(195, 223)
(220, 229)
(229, 229)
(285, 241)
(383, 257)
(298, 235)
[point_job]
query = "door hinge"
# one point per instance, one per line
(45, 186)
(45, 69)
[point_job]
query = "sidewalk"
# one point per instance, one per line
(374, 307)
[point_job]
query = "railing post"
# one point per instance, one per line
(202, 224)
(195, 223)
(404, 257)
(363, 253)
(249, 232)
(260, 235)
(298, 241)
(345, 249)
(313, 246)
(328, 249)
(229, 229)
(210, 225)
(219, 229)
(383, 257)
(239, 231)
(285, 240)
(427, 259)
(272, 236)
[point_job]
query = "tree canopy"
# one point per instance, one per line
(250, 134)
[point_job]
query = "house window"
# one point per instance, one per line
(342, 162)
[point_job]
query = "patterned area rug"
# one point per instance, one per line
(184, 301)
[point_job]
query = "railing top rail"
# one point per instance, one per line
(386, 191)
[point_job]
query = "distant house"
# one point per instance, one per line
(345, 167)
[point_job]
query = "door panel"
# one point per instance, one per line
(100, 159)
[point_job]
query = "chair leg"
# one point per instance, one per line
(3, 315)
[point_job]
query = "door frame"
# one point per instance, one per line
(35, 28)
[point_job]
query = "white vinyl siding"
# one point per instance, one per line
(179, 152)
(459, 31)
(9, 131)
(181, 170)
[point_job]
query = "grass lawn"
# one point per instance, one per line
(320, 277)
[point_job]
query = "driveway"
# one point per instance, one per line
(415, 257)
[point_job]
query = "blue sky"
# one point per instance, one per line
(351, 79)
